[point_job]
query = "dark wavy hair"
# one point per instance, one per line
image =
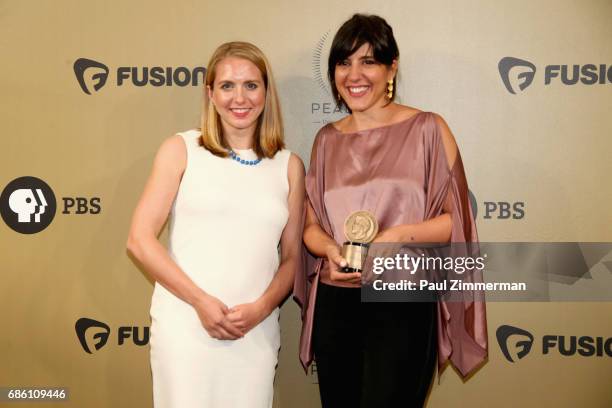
(356, 31)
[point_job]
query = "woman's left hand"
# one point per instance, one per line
(247, 315)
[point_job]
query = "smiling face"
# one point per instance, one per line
(362, 81)
(238, 94)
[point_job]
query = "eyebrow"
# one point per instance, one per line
(361, 58)
(222, 81)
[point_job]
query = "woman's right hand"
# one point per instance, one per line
(321, 244)
(213, 315)
(334, 262)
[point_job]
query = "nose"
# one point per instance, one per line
(239, 95)
(354, 73)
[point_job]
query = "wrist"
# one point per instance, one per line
(197, 298)
(394, 234)
(332, 246)
(264, 306)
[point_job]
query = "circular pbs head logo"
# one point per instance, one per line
(27, 205)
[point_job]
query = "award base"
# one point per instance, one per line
(355, 254)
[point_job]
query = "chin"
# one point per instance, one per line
(357, 105)
(360, 107)
(242, 125)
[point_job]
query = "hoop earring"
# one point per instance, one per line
(390, 89)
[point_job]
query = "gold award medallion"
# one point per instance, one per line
(360, 226)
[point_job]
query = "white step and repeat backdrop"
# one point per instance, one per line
(90, 90)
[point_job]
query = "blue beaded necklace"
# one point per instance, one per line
(234, 156)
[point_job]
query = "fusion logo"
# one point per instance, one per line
(88, 71)
(100, 73)
(103, 331)
(526, 75)
(100, 338)
(584, 346)
(587, 74)
(524, 341)
(27, 205)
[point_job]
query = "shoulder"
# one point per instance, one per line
(403, 112)
(295, 163)
(445, 134)
(172, 154)
(173, 147)
(331, 127)
(295, 170)
(450, 144)
(322, 135)
(190, 137)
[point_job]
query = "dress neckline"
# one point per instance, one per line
(246, 154)
(401, 122)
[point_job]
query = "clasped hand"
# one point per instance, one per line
(223, 323)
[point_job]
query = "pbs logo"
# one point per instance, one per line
(27, 205)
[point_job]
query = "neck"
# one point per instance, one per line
(240, 139)
(373, 117)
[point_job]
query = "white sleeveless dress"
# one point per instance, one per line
(225, 227)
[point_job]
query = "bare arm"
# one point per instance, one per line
(248, 315)
(149, 217)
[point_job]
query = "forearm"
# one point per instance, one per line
(437, 229)
(281, 285)
(156, 261)
(317, 240)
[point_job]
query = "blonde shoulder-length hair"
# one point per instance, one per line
(269, 137)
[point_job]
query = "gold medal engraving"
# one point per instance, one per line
(360, 226)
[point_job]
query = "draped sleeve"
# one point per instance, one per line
(305, 284)
(462, 328)
(314, 196)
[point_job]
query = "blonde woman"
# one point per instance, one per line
(233, 194)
